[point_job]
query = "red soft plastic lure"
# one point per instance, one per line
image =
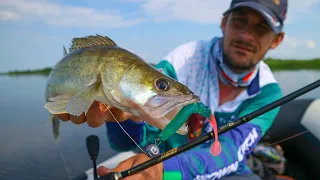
(215, 149)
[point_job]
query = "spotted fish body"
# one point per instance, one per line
(96, 69)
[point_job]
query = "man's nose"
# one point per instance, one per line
(247, 34)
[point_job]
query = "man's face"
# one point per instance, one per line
(247, 38)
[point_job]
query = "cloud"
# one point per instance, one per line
(298, 43)
(210, 11)
(8, 16)
(311, 44)
(299, 10)
(200, 11)
(294, 47)
(60, 15)
(133, 1)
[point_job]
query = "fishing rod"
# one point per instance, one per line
(210, 135)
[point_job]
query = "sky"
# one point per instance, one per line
(33, 32)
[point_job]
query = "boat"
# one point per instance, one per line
(302, 152)
(111, 162)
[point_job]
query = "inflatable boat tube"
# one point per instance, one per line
(303, 151)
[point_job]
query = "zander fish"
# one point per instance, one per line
(97, 69)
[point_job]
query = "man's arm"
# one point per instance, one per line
(198, 163)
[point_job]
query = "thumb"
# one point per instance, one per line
(103, 171)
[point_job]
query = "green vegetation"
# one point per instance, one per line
(44, 72)
(282, 65)
(275, 65)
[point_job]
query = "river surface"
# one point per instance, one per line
(27, 148)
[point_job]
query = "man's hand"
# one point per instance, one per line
(97, 114)
(154, 172)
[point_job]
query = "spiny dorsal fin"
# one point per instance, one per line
(64, 51)
(91, 41)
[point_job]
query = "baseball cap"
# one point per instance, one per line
(273, 11)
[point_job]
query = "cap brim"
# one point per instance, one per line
(267, 14)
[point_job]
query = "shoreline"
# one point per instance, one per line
(292, 65)
(274, 64)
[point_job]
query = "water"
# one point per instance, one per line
(27, 148)
(293, 80)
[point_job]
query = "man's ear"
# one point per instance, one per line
(224, 22)
(279, 38)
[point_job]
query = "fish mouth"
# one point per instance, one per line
(162, 110)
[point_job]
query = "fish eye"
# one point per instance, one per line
(162, 84)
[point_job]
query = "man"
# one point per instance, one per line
(228, 75)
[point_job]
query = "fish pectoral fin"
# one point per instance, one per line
(82, 100)
(57, 104)
(55, 126)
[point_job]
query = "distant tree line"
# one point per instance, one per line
(275, 65)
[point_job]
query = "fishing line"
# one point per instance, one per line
(61, 154)
(126, 132)
(64, 161)
(290, 137)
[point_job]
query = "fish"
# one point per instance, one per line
(97, 69)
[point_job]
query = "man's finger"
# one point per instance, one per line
(64, 117)
(95, 117)
(136, 119)
(103, 108)
(78, 119)
(103, 171)
(119, 114)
